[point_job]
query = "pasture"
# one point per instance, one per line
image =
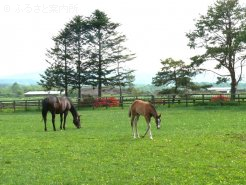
(195, 145)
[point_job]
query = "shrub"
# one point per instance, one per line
(106, 102)
(220, 99)
(88, 100)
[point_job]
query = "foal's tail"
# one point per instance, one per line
(130, 112)
(130, 109)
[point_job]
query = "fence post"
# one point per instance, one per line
(121, 101)
(25, 105)
(107, 103)
(168, 100)
(186, 100)
(14, 105)
(203, 98)
(78, 103)
(221, 103)
(153, 99)
(39, 104)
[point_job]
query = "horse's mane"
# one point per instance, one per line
(154, 109)
(70, 101)
(73, 109)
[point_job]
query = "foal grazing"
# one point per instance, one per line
(147, 110)
(59, 105)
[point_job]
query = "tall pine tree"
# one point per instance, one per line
(88, 51)
(58, 73)
(104, 50)
(78, 29)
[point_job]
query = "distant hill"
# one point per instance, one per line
(24, 79)
(33, 78)
(19, 81)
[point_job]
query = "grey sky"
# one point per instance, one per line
(155, 30)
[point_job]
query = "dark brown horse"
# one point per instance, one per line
(59, 105)
(147, 110)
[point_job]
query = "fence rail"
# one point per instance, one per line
(124, 101)
(21, 105)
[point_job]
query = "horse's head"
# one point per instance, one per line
(76, 121)
(158, 121)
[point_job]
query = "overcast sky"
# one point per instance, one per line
(155, 30)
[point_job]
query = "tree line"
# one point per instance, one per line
(220, 36)
(88, 51)
(16, 90)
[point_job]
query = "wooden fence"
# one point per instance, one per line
(124, 101)
(21, 105)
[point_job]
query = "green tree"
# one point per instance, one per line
(222, 35)
(78, 34)
(87, 51)
(104, 50)
(174, 74)
(59, 72)
(16, 89)
(63, 42)
(54, 77)
(124, 77)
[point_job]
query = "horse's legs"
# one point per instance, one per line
(132, 124)
(61, 120)
(136, 125)
(44, 114)
(53, 121)
(148, 128)
(150, 134)
(65, 117)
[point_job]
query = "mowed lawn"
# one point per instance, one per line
(195, 145)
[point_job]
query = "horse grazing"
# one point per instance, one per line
(147, 110)
(59, 105)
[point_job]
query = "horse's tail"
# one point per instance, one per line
(44, 102)
(44, 108)
(130, 113)
(130, 108)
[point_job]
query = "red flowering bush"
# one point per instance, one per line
(220, 98)
(106, 102)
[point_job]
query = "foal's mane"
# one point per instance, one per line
(153, 111)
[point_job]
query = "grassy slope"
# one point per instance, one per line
(194, 146)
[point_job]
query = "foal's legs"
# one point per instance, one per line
(132, 124)
(148, 128)
(136, 125)
(134, 121)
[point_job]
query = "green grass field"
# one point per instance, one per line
(194, 146)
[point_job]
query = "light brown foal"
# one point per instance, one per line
(147, 110)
